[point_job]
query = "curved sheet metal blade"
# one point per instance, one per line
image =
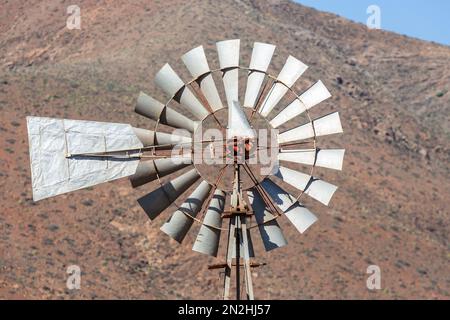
(150, 170)
(261, 56)
(311, 97)
(238, 125)
(326, 125)
(303, 156)
(315, 95)
(294, 109)
(158, 200)
(162, 138)
(292, 70)
(181, 220)
(297, 214)
(330, 158)
(152, 138)
(173, 86)
(270, 231)
(208, 237)
(300, 217)
(228, 52)
(155, 110)
(326, 158)
(315, 188)
(197, 64)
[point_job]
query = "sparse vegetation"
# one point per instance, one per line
(392, 200)
(440, 94)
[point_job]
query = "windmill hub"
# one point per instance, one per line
(209, 158)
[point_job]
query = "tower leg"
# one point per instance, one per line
(247, 271)
(230, 246)
(238, 239)
(237, 247)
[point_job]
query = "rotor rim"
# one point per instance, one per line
(214, 71)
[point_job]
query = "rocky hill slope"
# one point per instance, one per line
(391, 208)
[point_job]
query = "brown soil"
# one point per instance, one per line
(391, 208)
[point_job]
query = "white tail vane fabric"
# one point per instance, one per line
(313, 96)
(61, 154)
(238, 125)
(173, 86)
(197, 64)
(290, 73)
(228, 51)
(261, 55)
(68, 155)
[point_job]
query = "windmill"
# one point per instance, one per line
(229, 182)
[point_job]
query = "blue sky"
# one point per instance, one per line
(427, 20)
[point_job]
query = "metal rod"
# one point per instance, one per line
(247, 271)
(143, 149)
(285, 145)
(204, 101)
(223, 265)
(227, 277)
(238, 256)
(262, 96)
(266, 198)
(211, 193)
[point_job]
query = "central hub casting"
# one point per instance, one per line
(210, 157)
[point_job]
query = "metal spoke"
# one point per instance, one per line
(264, 94)
(266, 198)
(211, 192)
(204, 101)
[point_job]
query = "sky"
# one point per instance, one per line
(423, 19)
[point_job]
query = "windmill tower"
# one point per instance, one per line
(208, 177)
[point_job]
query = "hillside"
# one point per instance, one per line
(391, 208)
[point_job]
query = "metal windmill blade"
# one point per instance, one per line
(259, 63)
(154, 138)
(181, 220)
(150, 170)
(326, 158)
(297, 214)
(310, 98)
(208, 238)
(326, 125)
(233, 196)
(195, 61)
(158, 200)
(292, 70)
(174, 87)
(228, 52)
(155, 110)
(318, 189)
(269, 229)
